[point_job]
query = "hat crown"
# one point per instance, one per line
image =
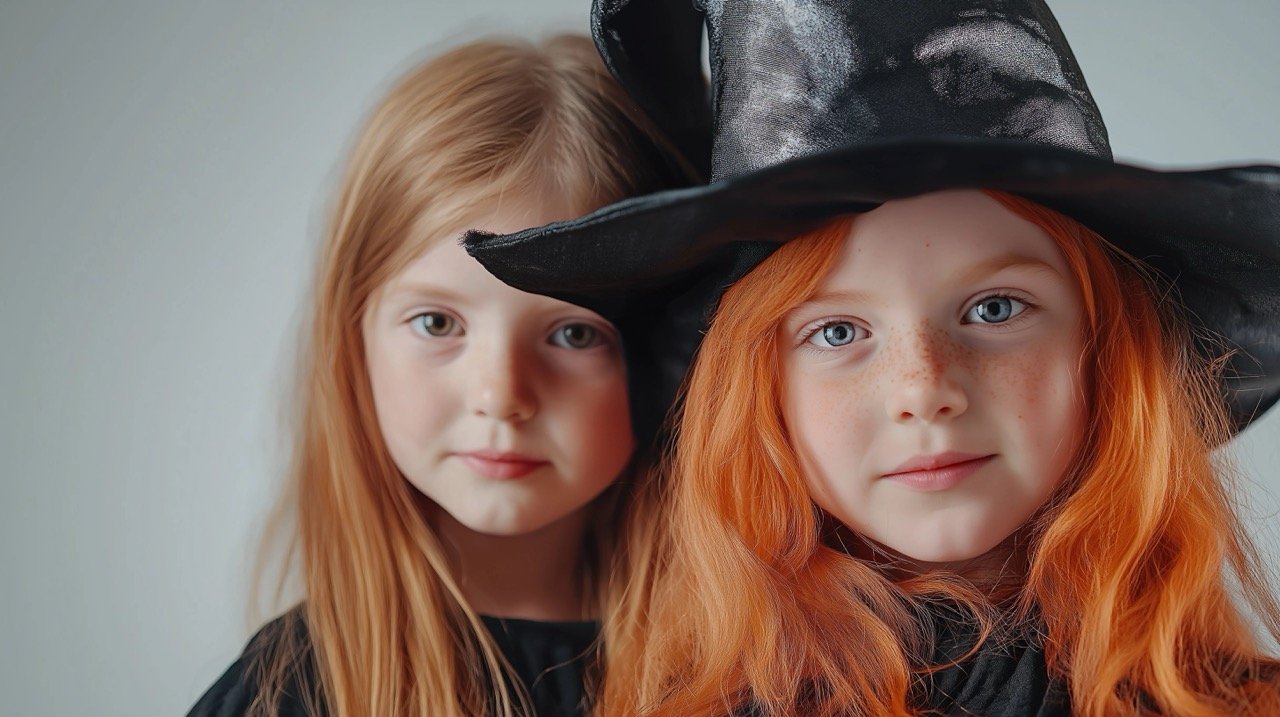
(790, 79)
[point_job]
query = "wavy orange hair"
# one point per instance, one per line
(390, 630)
(758, 606)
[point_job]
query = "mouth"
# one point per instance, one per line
(503, 465)
(939, 471)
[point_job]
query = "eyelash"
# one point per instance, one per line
(1001, 294)
(806, 336)
(414, 323)
(603, 336)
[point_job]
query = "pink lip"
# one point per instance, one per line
(939, 471)
(503, 465)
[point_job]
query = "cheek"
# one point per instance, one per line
(412, 401)
(1037, 394)
(592, 414)
(825, 415)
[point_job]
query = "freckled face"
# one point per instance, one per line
(932, 386)
(508, 410)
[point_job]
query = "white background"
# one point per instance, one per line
(164, 174)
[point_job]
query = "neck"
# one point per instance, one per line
(532, 576)
(997, 573)
(992, 572)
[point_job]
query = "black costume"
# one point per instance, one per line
(1007, 677)
(1006, 682)
(550, 658)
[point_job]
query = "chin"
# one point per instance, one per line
(940, 557)
(512, 526)
(947, 554)
(495, 524)
(503, 528)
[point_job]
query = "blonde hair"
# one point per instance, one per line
(760, 607)
(390, 631)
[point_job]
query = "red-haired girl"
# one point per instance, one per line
(455, 507)
(962, 398)
(946, 446)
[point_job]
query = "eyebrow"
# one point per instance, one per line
(832, 297)
(1006, 261)
(970, 275)
(428, 291)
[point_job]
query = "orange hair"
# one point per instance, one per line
(760, 606)
(390, 631)
(1128, 567)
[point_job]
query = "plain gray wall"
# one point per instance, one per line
(164, 174)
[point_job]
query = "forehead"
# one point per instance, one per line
(437, 234)
(443, 261)
(445, 265)
(940, 234)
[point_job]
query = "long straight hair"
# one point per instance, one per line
(390, 631)
(759, 608)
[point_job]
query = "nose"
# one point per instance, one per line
(923, 380)
(500, 384)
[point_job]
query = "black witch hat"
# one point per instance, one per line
(828, 107)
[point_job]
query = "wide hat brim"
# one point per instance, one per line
(1214, 234)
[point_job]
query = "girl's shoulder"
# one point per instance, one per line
(285, 637)
(552, 660)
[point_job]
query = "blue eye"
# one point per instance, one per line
(994, 310)
(577, 336)
(837, 334)
(434, 323)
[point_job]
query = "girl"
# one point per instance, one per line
(455, 499)
(947, 449)
(967, 397)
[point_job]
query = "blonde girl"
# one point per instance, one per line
(463, 494)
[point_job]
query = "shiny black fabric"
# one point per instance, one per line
(550, 659)
(792, 79)
(830, 107)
